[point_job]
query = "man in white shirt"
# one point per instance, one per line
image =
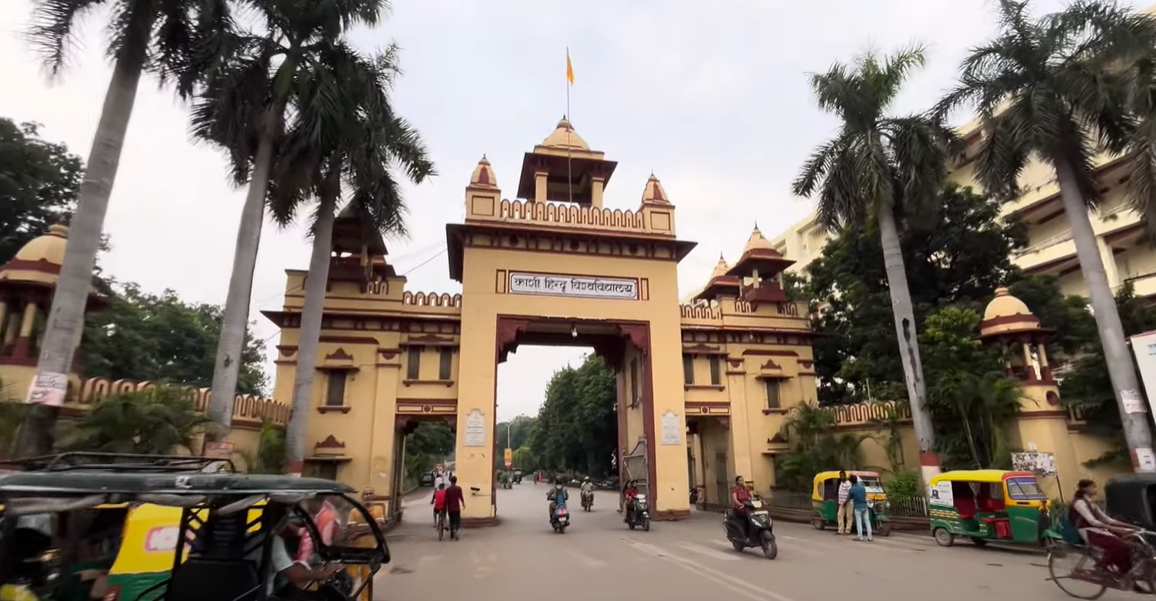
(843, 513)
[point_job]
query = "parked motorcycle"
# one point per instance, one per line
(560, 519)
(587, 500)
(638, 513)
(694, 495)
(754, 528)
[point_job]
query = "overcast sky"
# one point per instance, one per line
(713, 99)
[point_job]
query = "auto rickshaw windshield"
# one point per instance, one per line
(1024, 489)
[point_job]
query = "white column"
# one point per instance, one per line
(1109, 260)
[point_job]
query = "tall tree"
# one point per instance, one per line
(289, 68)
(575, 428)
(144, 35)
(877, 166)
(39, 181)
(1056, 89)
(161, 338)
(361, 142)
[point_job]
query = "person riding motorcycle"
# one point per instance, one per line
(630, 492)
(588, 489)
(557, 496)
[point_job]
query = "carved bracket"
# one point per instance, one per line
(339, 355)
(330, 443)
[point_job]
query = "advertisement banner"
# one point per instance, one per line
(1144, 349)
(509, 458)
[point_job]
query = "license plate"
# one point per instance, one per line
(763, 512)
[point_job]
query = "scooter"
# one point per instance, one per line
(587, 500)
(560, 520)
(754, 529)
(638, 514)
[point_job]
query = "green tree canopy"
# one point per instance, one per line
(160, 338)
(39, 181)
(157, 421)
(576, 427)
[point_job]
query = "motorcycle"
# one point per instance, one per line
(694, 495)
(638, 513)
(752, 529)
(587, 500)
(560, 519)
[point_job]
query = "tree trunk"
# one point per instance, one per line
(906, 333)
(66, 317)
(1121, 371)
(236, 318)
(310, 334)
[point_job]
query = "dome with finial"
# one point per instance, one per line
(653, 192)
(1006, 314)
(759, 254)
(720, 269)
(40, 260)
(483, 176)
(564, 137)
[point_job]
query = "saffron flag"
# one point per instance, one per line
(569, 68)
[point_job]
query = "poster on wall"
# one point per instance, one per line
(1144, 349)
(475, 429)
(1041, 464)
(671, 428)
(940, 494)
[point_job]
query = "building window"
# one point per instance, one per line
(319, 469)
(688, 369)
(715, 372)
(413, 363)
(447, 364)
(773, 401)
(335, 389)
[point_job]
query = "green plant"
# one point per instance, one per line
(156, 421)
(270, 450)
(904, 485)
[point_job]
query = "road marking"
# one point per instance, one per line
(747, 590)
(694, 548)
(586, 560)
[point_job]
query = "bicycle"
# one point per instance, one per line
(1141, 578)
(441, 524)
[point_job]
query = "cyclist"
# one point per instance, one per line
(1101, 531)
(439, 504)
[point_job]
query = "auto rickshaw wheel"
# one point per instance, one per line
(883, 529)
(819, 523)
(943, 537)
(979, 542)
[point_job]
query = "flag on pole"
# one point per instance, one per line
(569, 68)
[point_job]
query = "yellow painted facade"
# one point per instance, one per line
(545, 271)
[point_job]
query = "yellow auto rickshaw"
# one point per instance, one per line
(825, 500)
(989, 505)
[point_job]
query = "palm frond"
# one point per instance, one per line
(53, 29)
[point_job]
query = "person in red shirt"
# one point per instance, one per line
(439, 500)
(455, 503)
(740, 494)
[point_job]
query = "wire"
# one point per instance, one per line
(423, 263)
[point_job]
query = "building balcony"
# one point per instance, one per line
(1047, 256)
(1143, 284)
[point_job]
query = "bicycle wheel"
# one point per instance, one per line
(441, 525)
(1073, 570)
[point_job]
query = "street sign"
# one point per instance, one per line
(509, 458)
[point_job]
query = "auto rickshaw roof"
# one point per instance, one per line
(824, 476)
(979, 476)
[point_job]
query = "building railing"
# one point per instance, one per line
(431, 299)
(1048, 243)
(83, 394)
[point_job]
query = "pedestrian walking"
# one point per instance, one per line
(455, 503)
(843, 511)
(439, 483)
(862, 510)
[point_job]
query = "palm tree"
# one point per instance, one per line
(1055, 89)
(144, 35)
(360, 146)
(242, 108)
(879, 165)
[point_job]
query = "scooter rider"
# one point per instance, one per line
(588, 489)
(557, 496)
(629, 493)
(739, 496)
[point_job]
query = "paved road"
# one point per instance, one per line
(523, 560)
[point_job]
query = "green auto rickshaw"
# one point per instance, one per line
(825, 500)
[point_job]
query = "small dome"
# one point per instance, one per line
(1006, 314)
(1005, 305)
(653, 192)
(483, 176)
(757, 242)
(40, 260)
(564, 136)
(720, 269)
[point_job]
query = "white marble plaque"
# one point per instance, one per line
(671, 428)
(475, 429)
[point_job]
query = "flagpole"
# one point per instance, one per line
(569, 168)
